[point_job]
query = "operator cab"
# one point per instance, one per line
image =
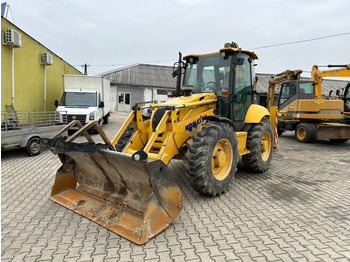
(229, 74)
(293, 90)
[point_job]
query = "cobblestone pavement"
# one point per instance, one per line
(299, 210)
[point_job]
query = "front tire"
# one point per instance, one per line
(124, 138)
(212, 158)
(260, 145)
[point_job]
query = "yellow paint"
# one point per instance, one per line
(29, 74)
(255, 113)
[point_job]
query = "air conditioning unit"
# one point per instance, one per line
(13, 38)
(46, 59)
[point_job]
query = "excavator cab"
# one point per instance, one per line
(292, 91)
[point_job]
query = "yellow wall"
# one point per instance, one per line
(29, 74)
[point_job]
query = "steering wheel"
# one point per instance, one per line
(215, 85)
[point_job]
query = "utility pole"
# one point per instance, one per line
(85, 69)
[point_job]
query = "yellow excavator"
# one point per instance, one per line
(303, 109)
(212, 123)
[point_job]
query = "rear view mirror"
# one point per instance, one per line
(102, 104)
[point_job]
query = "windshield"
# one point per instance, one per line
(78, 99)
(208, 74)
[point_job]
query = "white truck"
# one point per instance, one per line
(85, 98)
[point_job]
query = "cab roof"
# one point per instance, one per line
(225, 49)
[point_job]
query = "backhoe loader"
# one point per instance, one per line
(212, 123)
(302, 108)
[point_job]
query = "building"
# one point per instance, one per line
(139, 83)
(143, 82)
(31, 74)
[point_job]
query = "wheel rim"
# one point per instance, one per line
(266, 146)
(221, 160)
(301, 133)
(34, 147)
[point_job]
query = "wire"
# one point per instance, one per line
(300, 41)
(260, 47)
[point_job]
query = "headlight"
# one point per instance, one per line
(92, 116)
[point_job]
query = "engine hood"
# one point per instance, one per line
(183, 100)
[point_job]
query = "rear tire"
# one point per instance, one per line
(305, 133)
(32, 148)
(212, 158)
(124, 138)
(105, 119)
(260, 145)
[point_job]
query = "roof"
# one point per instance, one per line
(145, 75)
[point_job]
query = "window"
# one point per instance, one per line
(306, 88)
(78, 99)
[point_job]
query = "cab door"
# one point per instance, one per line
(288, 98)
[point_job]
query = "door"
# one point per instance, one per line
(123, 102)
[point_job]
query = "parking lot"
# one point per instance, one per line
(299, 210)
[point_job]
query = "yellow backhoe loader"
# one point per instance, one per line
(301, 107)
(124, 184)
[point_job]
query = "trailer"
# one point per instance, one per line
(24, 129)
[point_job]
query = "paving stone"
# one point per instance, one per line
(296, 211)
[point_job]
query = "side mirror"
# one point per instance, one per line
(56, 103)
(101, 105)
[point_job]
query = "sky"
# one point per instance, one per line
(111, 34)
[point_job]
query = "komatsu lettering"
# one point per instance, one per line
(195, 123)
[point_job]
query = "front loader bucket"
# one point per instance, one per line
(135, 199)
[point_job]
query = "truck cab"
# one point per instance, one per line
(84, 98)
(82, 105)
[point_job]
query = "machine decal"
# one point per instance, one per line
(195, 123)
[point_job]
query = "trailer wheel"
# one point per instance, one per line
(124, 138)
(32, 148)
(305, 133)
(212, 158)
(260, 145)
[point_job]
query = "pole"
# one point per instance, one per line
(13, 76)
(44, 88)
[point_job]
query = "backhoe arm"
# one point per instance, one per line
(316, 75)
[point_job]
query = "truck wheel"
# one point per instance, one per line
(105, 119)
(32, 148)
(212, 158)
(305, 133)
(338, 140)
(260, 145)
(124, 138)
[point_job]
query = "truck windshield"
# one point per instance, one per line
(208, 73)
(78, 99)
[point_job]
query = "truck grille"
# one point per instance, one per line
(81, 118)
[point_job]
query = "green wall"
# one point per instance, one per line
(29, 74)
